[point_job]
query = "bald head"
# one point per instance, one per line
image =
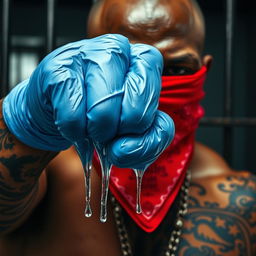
(150, 17)
(175, 27)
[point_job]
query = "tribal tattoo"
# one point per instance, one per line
(222, 218)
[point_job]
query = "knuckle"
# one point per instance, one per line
(165, 127)
(122, 152)
(50, 69)
(109, 48)
(119, 39)
(148, 51)
(119, 45)
(108, 42)
(150, 55)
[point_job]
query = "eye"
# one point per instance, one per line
(178, 71)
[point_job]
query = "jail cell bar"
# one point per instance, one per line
(5, 40)
(227, 121)
(50, 34)
(4, 65)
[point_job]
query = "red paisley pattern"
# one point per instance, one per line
(180, 97)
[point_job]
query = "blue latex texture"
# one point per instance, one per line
(104, 89)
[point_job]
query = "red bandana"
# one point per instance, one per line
(162, 180)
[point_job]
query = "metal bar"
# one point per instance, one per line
(4, 74)
(229, 56)
(227, 121)
(228, 145)
(50, 33)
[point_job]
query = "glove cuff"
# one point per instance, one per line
(30, 129)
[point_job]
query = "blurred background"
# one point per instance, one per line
(230, 123)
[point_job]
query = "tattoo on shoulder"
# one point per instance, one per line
(223, 223)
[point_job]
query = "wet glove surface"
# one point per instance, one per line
(104, 89)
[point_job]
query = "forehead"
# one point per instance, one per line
(172, 26)
(156, 18)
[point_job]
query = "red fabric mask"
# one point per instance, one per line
(162, 180)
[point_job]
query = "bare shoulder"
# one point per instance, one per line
(206, 163)
(222, 209)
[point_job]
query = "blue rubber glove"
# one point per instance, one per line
(146, 131)
(104, 89)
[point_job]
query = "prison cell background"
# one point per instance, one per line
(30, 29)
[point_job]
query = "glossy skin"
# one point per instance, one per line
(175, 28)
(49, 219)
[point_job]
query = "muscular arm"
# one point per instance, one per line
(222, 216)
(22, 181)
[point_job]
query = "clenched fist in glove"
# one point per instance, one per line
(105, 89)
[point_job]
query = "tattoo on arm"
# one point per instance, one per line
(221, 227)
(20, 169)
(6, 141)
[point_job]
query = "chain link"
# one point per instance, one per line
(176, 232)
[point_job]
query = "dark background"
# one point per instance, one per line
(28, 19)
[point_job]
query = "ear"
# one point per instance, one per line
(207, 61)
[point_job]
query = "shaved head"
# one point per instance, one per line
(150, 17)
(175, 27)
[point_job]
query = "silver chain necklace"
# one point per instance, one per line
(176, 232)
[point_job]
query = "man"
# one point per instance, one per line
(176, 28)
(49, 219)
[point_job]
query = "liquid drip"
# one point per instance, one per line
(87, 174)
(85, 151)
(105, 170)
(139, 175)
